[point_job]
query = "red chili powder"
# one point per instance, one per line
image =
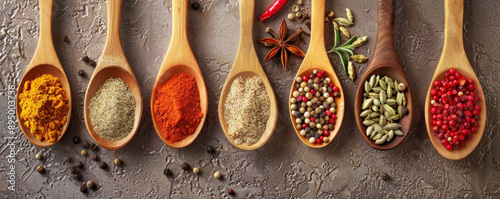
(177, 107)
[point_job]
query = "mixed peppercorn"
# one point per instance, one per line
(455, 114)
(313, 106)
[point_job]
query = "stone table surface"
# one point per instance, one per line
(284, 167)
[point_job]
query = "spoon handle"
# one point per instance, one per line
(317, 43)
(179, 51)
(385, 53)
(453, 21)
(246, 59)
(112, 54)
(45, 52)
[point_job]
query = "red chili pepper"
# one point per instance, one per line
(273, 9)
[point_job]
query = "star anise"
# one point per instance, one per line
(282, 44)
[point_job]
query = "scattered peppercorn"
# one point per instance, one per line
(79, 164)
(94, 147)
(210, 149)
(67, 159)
(40, 169)
(86, 59)
(66, 39)
(103, 165)
(38, 156)
(83, 189)
(92, 63)
(95, 157)
(84, 152)
(195, 5)
(230, 192)
(384, 176)
(118, 162)
(185, 166)
(76, 140)
(196, 170)
(90, 184)
(167, 172)
(85, 144)
(73, 170)
(77, 176)
(81, 73)
(217, 175)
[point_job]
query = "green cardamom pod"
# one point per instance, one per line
(345, 32)
(359, 58)
(349, 15)
(343, 21)
(359, 42)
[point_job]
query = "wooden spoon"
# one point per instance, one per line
(180, 59)
(113, 63)
(247, 64)
(385, 62)
(316, 58)
(453, 56)
(44, 61)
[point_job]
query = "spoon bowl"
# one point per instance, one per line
(45, 61)
(113, 64)
(180, 59)
(316, 58)
(165, 76)
(385, 62)
(453, 56)
(247, 64)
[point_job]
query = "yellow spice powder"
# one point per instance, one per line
(44, 105)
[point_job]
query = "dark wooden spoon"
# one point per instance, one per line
(385, 62)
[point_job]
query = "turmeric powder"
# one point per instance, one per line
(44, 105)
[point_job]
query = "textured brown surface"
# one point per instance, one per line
(284, 167)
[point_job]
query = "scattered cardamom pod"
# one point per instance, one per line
(359, 42)
(343, 21)
(345, 32)
(359, 58)
(349, 15)
(335, 25)
(351, 71)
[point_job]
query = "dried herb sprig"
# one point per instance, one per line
(344, 51)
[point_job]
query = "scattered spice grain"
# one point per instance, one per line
(384, 176)
(246, 110)
(103, 165)
(79, 164)
(83, 189)
(66, 39)
(85, 144)
(112, 110)
(95, 157)
(118, 162)
(94, 147)
(81, 73)
(210, 149)
(230, 192)
(196, 170)
(167, 172)
(83, 152)
(90, 184)
(185, 166)
(39, 156)
(67, 159)
(40, 169)
(77, 176)
(76, 140)
(217, 175)
(73, 170)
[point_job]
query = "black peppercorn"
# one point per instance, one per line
(230, 192)
(103, 165)
(73, 170)
(86, 59)
(77, 176)
(85, 144)
(316, 135)
(384, 176)
(79, 164)
(308, 136)
(167, 172)
(94, 147)
(67, 159)
(210, 149)
(95, 157)
(81, 73)
(76, 140)
(185, 166)
(195, 5)
(92, 63)
(83, 189)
